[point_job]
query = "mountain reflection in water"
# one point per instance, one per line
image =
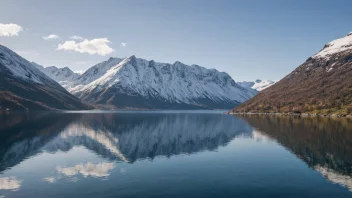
(120, 137)
(325, 144)
(94, 147)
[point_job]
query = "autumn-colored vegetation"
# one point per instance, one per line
(319, 86)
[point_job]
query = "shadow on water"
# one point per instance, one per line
(324, 144)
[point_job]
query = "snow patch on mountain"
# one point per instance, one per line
(258, 85)
(335, 46)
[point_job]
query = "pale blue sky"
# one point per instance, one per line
(263, 39)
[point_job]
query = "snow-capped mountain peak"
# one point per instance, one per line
(258, 84)
(96, 71)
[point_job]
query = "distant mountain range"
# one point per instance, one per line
(61, 75)
(128, 83)
(24, 87)
(138, 83)
(258, 85)
(321, 85)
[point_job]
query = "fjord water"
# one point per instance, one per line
(173, 154)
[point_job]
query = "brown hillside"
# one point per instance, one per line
(320, 85)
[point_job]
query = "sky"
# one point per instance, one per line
(249, 40)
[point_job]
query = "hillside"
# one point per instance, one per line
(321, 85)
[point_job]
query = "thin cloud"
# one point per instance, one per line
(78, 38)
(123, 44)
(95, 46)
(10, 29)
(51, 37)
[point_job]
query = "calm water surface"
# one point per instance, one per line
(173, 154)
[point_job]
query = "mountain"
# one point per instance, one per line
(321, 85)
(24, 87)
(138, 83)
(258, 85)
(61, 75)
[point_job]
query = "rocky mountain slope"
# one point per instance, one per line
(258, 85)
(322, 85)
(138, 83)
(24, 87)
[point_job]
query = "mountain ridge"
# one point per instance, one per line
(138, 83)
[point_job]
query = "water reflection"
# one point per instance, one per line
(324, 144)
(88, 169)
(117, 137)
(121, 152)
(49, 179)
(9, 183)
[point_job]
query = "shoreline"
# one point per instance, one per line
(296, 114)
